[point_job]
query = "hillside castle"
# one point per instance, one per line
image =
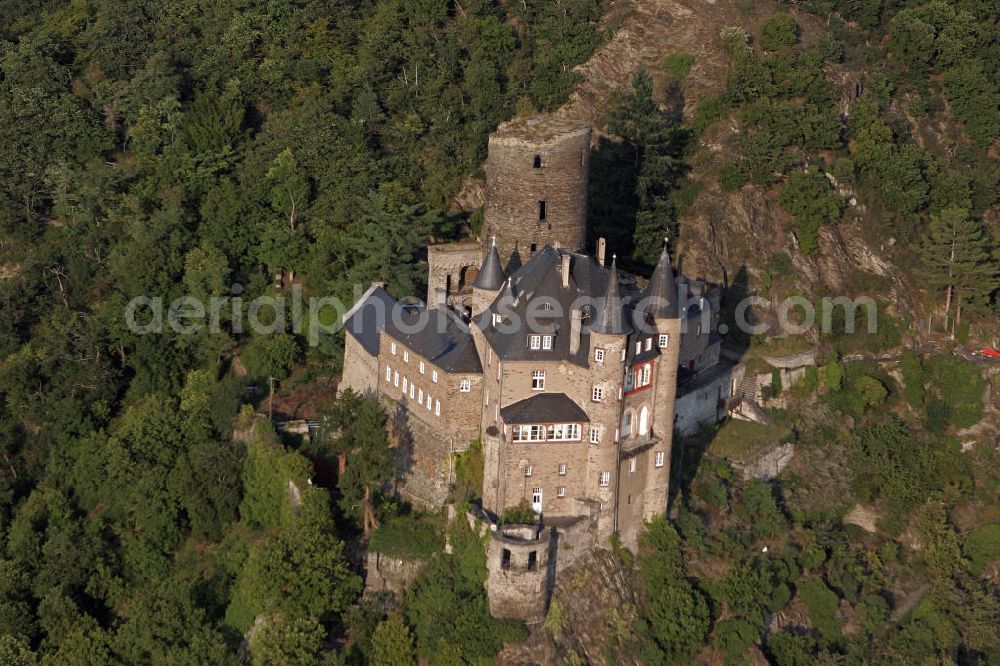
(567, 371)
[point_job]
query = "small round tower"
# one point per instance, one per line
(537, 173)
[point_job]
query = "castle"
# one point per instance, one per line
(567, 371)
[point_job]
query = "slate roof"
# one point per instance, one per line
(661, 294)
(544, 408)
(491, 275)
(437, 335)
(540, 281)
(611, 317)
(366, 319)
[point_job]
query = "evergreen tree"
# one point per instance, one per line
(957, 258)
(392, 644)
(657, 143)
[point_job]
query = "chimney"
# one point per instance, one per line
(575, 326)
(565, 271)
(602, 246)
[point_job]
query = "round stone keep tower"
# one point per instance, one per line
(537, 173)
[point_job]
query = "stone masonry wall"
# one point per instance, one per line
(515, 186)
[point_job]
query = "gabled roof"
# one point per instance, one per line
(544, 408)
(491, 276)
(661, 294)
(436, 334)
(367, 318)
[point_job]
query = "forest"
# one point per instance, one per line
(225, 148)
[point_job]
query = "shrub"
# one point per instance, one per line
(416, 536)
(518, 515)
(982, 545)
(733, 637)
(913, 379)
(678, 64)
(779, 32)
(732, 177)
(788, 649)
(822, 604)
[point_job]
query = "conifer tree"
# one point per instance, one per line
(658, 144)
(957, 259)
(392, 644)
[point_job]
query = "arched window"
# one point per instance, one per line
(627, 424)
(644, 420)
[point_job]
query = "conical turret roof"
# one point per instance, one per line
(491, 276)
(661, 294)
(610, 316)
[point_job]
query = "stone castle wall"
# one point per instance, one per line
(534, 162)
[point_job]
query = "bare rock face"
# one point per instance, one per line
(593, 610)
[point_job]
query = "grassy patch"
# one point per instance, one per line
(678, 64)
(416, 536)
(739, 440)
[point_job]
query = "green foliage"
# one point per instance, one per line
(448, 610)
(521, 514)
(657, 143)
(268, 469)
(413, 536)
(469, 471)
(791, 649)
(822, 604)
(678, 64)
(392, 644)
(982, 545)
(779, 32)
(911, 368)
(296, 640)
(269, 356)
(812, 201)
(959, 385)
(676, 614)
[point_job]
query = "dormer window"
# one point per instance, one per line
(537, 162)
(649, 343)
(546, 342)
(534, 342)
(638, 347)
(497, 319)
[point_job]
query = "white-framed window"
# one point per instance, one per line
(605, 479)
(429, 402)
(434, 376)
(623, 354)
(644, 375)
(561, 491)
(562, 469)
(538, 380)
(626, 428)
(392, 349)
(497, 319)
(649, 343)
(599, 355)
(546, 342)
(395, 378)
(631, 466)
(465, 385)
(528, 470)
(406, 384)
(658, 458)
(597, 393)
(529, 433)
(699, 330)
(422, 368)
(420, 395)
(664, 341)
(437, 408)
(563, 432)
(388, 374)
(411, 391)
(638, 346)
(534, 342)
(406, 357)
(595, 434)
